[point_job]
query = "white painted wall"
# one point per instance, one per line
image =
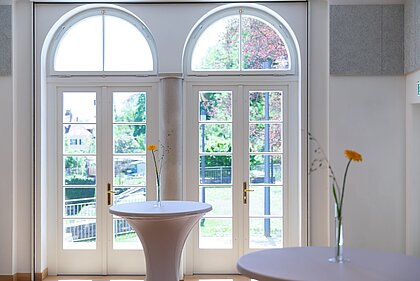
(413, 164)
(367, 114)
(318, 119)
(6, 170)
(6, 185)
(411, 87)
(22, 134)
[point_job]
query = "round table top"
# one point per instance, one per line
(311, 264)
(166, 209)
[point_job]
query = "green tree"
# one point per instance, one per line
(131, 137)
(262, 47)
(216, 106)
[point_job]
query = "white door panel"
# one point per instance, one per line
(102, 142)
(238, 146)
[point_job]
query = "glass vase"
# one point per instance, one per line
(158, 196)
(339, 242)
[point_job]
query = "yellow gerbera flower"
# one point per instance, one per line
(152, 147)
(353, 155)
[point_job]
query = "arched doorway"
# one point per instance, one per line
(243, 71)
(95, 126)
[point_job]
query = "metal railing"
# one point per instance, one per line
(216, 175)
(84, 230)
(80, 230)
(223, 174)
(80, 207)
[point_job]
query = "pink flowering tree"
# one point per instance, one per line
(262, 47)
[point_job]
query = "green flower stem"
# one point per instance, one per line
(157, 175)
(334, 190)
(339, 219)
(339, 208)
(344, 185)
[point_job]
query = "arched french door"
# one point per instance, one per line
(98, 122)
(242, 119)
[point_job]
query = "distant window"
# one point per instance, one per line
(96, 43)
(240, 42)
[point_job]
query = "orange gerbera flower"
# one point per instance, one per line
(152, 147)
(353, 155)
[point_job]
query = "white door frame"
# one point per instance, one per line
(293, 209)
(52, 164)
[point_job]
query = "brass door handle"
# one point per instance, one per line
(245, 191)
(109, 193)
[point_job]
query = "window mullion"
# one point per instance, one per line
(103, 40)
(240, 39)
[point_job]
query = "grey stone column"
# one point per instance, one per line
(170, 136)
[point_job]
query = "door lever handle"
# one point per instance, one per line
(245, 191)
(109, 193)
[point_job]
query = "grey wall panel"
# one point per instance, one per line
(410, 35)
(416, 24)
(366, 39)
(5, 40)
(355, 39)
(392, 39)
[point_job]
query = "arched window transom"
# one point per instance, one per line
(103, 40)
(240, 42)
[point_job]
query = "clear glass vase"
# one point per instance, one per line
(339, 242)
(158, 196)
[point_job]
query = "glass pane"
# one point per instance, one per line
(129, 138)
(265, 137)
(266, 105)
(217, 48)
(262, 46)
(220, 197)
(265, 233)
(79, 234)
(129, 195)
(130, 170)
(79, 170)
(215, 106)
(266, 200)
(129, 106)
(80, 48)
(125, 51)
(79, 107)
(80, 202)
(215, 137)
(125, 238)
(265, 169)
(79, 139)
(215, 169)
(215, 233)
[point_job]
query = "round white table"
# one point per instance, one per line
(311, 264)
(162, 230)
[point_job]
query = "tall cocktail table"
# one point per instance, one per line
(162, 231)
(311, 264)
